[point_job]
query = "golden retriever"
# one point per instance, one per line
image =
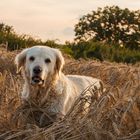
(42, 71)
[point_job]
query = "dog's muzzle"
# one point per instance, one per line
(36, 80)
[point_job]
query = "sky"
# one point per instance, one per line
(52, 19)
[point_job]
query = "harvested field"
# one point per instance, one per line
(113, 116)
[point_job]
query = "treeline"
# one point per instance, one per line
(110, 33)
(83, 49)
(15, 41)
(103, 51)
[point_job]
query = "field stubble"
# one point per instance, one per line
(115, 115)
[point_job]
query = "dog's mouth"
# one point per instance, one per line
(36, 80)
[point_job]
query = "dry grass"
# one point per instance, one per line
(115, 115)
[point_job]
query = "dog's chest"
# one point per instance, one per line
(48, 100)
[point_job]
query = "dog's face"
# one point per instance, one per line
(39, 63)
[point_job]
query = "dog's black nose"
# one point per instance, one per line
(37, 70)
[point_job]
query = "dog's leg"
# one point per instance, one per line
(25, 92)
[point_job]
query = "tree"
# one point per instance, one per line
(111, 25)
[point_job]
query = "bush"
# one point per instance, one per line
(102, 51)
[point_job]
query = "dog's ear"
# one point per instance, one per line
(20, 60)
(59, 61)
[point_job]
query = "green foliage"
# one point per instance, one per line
(67, 50)
(112, 25)
(15, 41)
(91, 49)
(102, 51)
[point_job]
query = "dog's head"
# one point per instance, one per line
(39, 63)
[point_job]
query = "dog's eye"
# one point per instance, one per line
(31, 58)
(47, 60)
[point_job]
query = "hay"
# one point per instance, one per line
(114, 115)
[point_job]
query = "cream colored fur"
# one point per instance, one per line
(67, 88)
